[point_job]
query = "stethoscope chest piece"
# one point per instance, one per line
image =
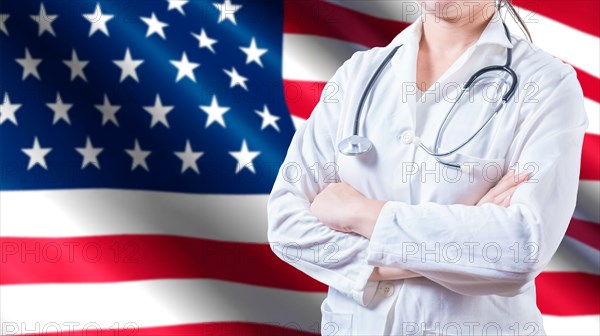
(355, 145)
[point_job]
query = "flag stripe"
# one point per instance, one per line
(585, 232)
(196, 329)
(142, 257)
(316, 17)
(575, 256)
(301, 96)
(586, 325)
(130, 258)
(562, 41)
(156, 303)
(590, 159)
(97, 212)
(588, 198)
(553, 299)
(300, 63)
(331, 21)
(302, 99)
(589, 83)
(579, 14)
(127, 212)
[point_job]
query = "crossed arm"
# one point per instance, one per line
(314, 221)
(342, 208)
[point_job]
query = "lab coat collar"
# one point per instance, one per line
(492, 34)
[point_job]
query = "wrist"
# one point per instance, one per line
(365, 217)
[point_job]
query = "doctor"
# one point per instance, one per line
(426, 214)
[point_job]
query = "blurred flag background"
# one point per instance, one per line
(139, 141)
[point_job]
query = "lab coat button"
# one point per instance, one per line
(408, 137)
(387, 289)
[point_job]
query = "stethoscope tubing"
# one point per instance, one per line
(467, 86)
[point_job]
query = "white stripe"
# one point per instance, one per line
(552, 36)
(588, 199)
(298, 121)
(575, 256)
(154, 303)
(301, 64)
(142, 304)
(397, 10)
(571, 45)
(572, 325)
(90, 212)
(314, 58)
(593, 113)
(97, 212)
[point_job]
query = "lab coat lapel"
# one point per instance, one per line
(404, 67)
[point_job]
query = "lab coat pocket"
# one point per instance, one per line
(334, 324)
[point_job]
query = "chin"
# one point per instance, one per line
(453, 10)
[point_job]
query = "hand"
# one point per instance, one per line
(501, 193)
(343, 208)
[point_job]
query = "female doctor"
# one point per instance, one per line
(435, 179)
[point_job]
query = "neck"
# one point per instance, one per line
(442, 35)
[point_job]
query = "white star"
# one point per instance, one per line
(3, 18)
(138, 155)
(267, 119)
(109, 112)
(98, 21)
(215, 112)
(44, 21)
(36, 154)
(185, 68)
(244, 158)
(61, 110)
(178, 5)
(154, 26)
(29, 65)
(89, 153)
(253, 53)
(76, 66)
(236, 79)
(227, 11)
(128, 66)
(158, 112)
(8, 110)
(188, 158)
(205, 41)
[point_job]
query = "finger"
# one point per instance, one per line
(504, 198)
(508, 181)
(502, 185)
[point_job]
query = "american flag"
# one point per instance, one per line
(139, 141)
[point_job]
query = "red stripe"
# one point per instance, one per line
(316, 17)
(140, 257)
(579, 14)
(212, 329)
(568, 293)
(589, 83)
(302, 96)
(585, 232)
(590, 158)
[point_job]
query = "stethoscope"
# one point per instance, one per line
(356, 144)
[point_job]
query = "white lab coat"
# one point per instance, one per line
(478, 262)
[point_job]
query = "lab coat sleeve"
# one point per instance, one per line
(489, 249)
(298, 237)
